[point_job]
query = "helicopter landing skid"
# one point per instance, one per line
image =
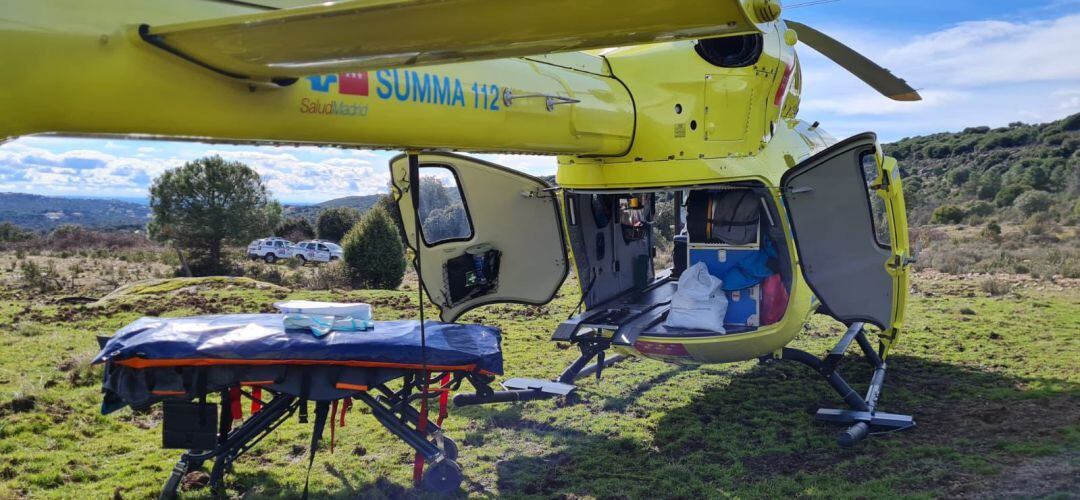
(862, 413)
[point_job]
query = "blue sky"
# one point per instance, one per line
(986, 62)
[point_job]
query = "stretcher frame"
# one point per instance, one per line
(393, 409)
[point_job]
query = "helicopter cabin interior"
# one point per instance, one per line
(734, 229)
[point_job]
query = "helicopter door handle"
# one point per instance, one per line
(801, 189)
(550, 100)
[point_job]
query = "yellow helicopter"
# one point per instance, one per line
(697, 101)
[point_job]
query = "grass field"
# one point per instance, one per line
(992, 380)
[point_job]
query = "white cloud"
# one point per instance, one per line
(985, 72)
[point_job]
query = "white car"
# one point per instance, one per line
(317, 251)
(271, 249)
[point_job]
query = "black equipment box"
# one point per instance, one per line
(189, 425)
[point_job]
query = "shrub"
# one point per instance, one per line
(1032, 202)
(333, 275)
(995, 287)
(1008, 194)
(43, 279)
(374, 253)
(937, 151)
(992, 231)
(979, 208)
(1072, 122)
(959, 176)
(334, 222)
(948, 214)
(10, 233)
(295, 229)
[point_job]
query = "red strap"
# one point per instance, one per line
(346, 405)
(333, 418)
(256, 397)
(421, 425)
(444, 399)
(236, 409)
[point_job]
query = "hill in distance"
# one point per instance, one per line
(311, 212)
(44, 213)
(981, 173)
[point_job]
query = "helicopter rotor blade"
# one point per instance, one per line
(888, 84)
(360, 35)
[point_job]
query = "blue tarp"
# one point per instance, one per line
(235, 337)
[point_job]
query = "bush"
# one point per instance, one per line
(71, 237)
(992, 231)
(979, 208)
(1008, 194)
(374, 253)
(10, 233)
(334, 222)
(43, 279)
(1032, 202)
(295, 229)
(948, 214)
(995, 287)
(959, 176)
(937, 151)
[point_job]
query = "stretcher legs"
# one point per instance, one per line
(235, 443)
(392, 409)
(399, 417)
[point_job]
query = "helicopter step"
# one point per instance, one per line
(862, 414)
(528, 389)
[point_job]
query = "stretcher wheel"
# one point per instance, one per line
(443, 476)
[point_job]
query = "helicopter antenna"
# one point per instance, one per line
(414, 193)
(811, 3)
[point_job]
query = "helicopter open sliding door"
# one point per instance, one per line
(488, 233)
(853, 258)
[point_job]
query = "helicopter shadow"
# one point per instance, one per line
(738, 438)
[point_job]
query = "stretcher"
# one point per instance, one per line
(199, 365)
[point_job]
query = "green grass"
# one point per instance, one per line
(991, 391)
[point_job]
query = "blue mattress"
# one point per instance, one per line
(261, 339)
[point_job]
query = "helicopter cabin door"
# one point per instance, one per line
(488, 233)
(847, 217)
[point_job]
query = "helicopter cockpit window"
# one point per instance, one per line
(443, 214)
(635, 216)
(731, 51)
(880, 218)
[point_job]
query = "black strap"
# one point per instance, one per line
(322, 409)
(225, 421)
(200, 389)
(305, 390)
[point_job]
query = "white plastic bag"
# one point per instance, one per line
(699, 302)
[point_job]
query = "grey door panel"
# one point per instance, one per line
(829, 208)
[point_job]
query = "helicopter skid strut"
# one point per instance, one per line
(862, 414)
(528, 389)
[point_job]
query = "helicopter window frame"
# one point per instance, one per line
(878, 220)
(464, 206)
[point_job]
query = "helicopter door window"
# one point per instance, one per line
(444, 215)
(879, 217)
